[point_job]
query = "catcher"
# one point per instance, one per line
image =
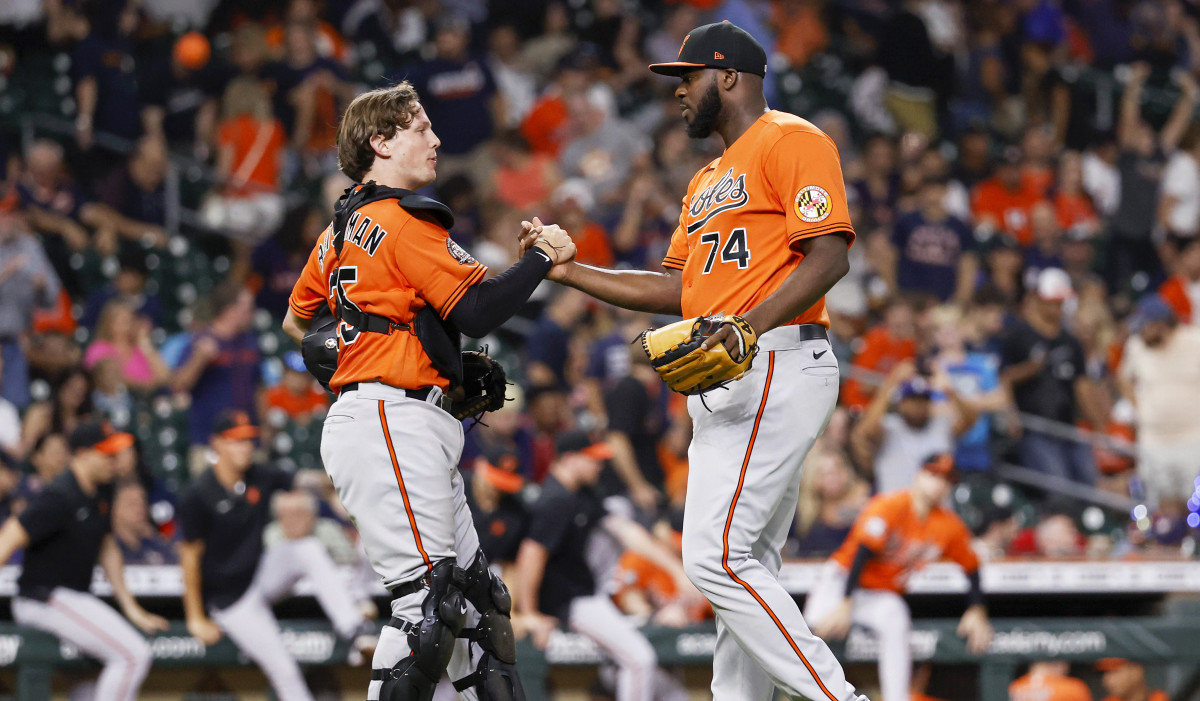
(399, 291)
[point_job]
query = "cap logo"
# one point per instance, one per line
(718, 56)
(684, 44)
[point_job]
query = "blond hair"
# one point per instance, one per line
(246, 96)
(383, 112)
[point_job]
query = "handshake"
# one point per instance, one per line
(552, 239)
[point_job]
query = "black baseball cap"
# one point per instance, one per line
(581, 442)
(94, 435)
(717, 45)
(234, 425)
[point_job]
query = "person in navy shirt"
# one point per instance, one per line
(934, 250)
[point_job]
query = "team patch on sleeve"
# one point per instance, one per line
(813, 204)
(458, 253)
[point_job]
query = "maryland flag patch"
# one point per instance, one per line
(813, 204)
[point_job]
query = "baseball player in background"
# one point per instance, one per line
(65, 529)
(763, 234)
(896, 534)
(227, 573)
(1049, 680)
(401, 291)
(1125, 680)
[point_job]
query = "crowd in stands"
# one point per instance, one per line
(1024, 177)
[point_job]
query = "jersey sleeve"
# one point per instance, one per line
(677, 252)
(44, 516)
(311, 290)
(805, 172)
(958, 547)
(437, 267)
(873, 525)
(549, 522)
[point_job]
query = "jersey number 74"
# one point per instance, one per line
(735, 249)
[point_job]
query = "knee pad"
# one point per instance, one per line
(492, 680)
(491, 599)
(431, 641)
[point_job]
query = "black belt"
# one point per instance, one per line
(365, 321)
(419, 394)
(812, 332)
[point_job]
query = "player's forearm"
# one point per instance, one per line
(193, 600)
(530, 568)
(639, 290)
(825, 262)
(113, 564)
(12, 538)
(635, 538)
(294, 326)
(487, 305)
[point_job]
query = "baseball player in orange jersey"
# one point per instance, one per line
(896, 534)
(402, 291)
(763, 233)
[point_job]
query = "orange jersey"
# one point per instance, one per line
(879, 353)
(392, 264)
(903, 543)
(1041, 687)
(746, 212)
(1007, 209)
(296, 406)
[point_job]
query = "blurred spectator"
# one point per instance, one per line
(1055, 536)
(1071, 203)
(515, 82)
(636, 408)
(105, 75)
(181, 94)
(1179, 196)
(879, 187)
(140, 543)
(297, 396)
(250, 154)
(1160, 374)
(1125, 680)
(604, 150)
(831, 496)
(127, 286)
(137, 190)
(125, 339)
(70, 402)
(571, 202)
(998, 528)
(1182, 290)
(110, 394)
(895, 443)
(27, 282)
(546, 127)
(505, 433)
(389, 31)
(1141, 164)
(934, 250)
(1005, 200)
(219, 368)
(498, 505)
(328, 42)
(10, 424)
(522, 180)
(1046, 238)
(549, 343)
(297, 517)
(975, 377)
(646, 591)
(554, 582)
(49, 456)
(550, 414)
(880, 350)
(1003, 267)
(1044, 365)
(920, 73)
(458, 92)
(1048, 681)
(555, 40)
(308, 91)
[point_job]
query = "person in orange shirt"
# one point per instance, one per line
(296, 395)
(764, 231)
(1005, 199)
(883, 348)
(1048, 681)
(400, 291)
(1182, 290)
(1125, 680)
(897, 534)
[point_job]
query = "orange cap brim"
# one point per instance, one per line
(598, 451)
(115, 443)
(1108, 664)
(505, 481)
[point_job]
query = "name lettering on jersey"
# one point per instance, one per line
(727, 193)
(364, 233)
(324, 246)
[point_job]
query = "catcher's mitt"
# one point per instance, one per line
(320, 346)
(483, 386)
(674, 351)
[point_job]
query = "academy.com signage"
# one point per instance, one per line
(1040, 642)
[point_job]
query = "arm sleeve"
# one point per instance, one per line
(311, 289)
(488, 304)
(861, 557)
(974, 590)
(43, 517)
(805, 172)
(437, 267)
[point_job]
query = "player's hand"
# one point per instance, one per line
(146, 621)
(837, 624)
(538, 626)
(727, 337)
(645, 496)
(206, 347)
(204, 630)
(977, 629)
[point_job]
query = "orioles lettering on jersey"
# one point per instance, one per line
(744, 216)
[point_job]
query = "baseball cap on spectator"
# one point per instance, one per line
(942, 465)
(580, 442)
(1108, 664)
(1054, 285)
(574, 190)
(717, 45)
(499, 467)
(234, 425)
(292, 360)
(93, 435)
(999, 241)
(1149, 309)
(917, 387)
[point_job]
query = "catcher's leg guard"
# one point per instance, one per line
(431, 641)
(495, 678)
